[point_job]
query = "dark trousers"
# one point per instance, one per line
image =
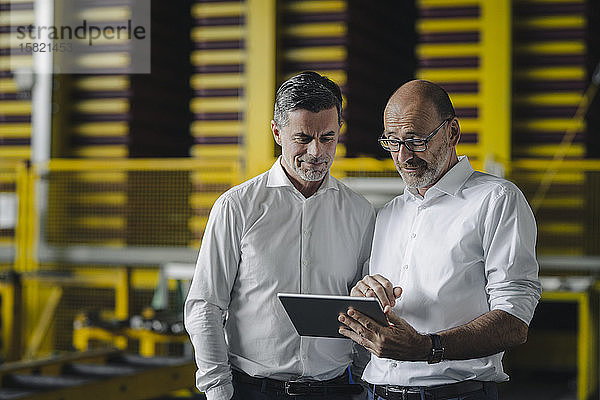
(245, 391)
(489, 392)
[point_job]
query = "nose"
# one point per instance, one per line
(404, 153)
(314, 148)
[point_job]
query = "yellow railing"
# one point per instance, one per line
(82, 225)
(15, 249)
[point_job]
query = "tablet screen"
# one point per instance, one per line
(317, 315)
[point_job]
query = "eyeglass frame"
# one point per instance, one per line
(403, 142)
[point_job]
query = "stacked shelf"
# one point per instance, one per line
(381, 56)
(109, 111)
(313, 36)
(15, 101)
(549, 51)
(99, 126)
(15, 119)
(354, 44)
(449, 53)
(218, 102)
(549, 48)
(218, 80)
(92, 122)
(8, 214)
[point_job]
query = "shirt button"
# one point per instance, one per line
(405, 266)
(304, 357)
(393, 365)
(413, 235)
(306, 233)
(305, 263)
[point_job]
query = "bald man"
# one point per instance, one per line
(453, 262)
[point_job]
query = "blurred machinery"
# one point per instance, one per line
(150, 334)
(157, 330)
(105, 374)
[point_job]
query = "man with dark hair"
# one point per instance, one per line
(296, 229)
(308, 91)
(453, 263)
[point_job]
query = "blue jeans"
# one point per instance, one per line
(489, 392)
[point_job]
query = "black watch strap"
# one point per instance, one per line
(437, 351)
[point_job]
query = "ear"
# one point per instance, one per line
(454, 132)
(276, 132)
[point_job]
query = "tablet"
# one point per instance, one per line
(317, 315)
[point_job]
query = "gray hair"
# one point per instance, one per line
(307, 91)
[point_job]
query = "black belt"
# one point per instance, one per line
(392, 392)
(337, 385)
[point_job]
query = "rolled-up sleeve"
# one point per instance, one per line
(509, 250)
(209, 296)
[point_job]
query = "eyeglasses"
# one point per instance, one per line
(413, 144)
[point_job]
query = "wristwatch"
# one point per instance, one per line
(437, 351)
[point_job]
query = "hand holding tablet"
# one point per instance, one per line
(317, 315)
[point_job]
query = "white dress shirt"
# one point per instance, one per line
(265, 237)
(465, 248)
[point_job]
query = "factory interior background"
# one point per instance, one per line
(107, 176)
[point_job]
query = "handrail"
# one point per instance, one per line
(149, 164)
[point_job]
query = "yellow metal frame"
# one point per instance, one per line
(587, 339)
(138, 164)
(565, 166)
(122, 293)
(43, 298)
(23, 230)
(7, 294)
(23, 245)
(260, 85)
(341, 166)
(11, 323)
(82, 337)
(44, 323)
(40, 299)
(495, 81)
(147, 340)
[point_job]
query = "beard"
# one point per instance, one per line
(427, 173)
(312, 174)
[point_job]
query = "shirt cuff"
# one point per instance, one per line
(223, 392)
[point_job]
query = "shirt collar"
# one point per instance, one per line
(451, 182)
(278, 178)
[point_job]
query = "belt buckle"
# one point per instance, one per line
(403, 391)
(292, 390)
